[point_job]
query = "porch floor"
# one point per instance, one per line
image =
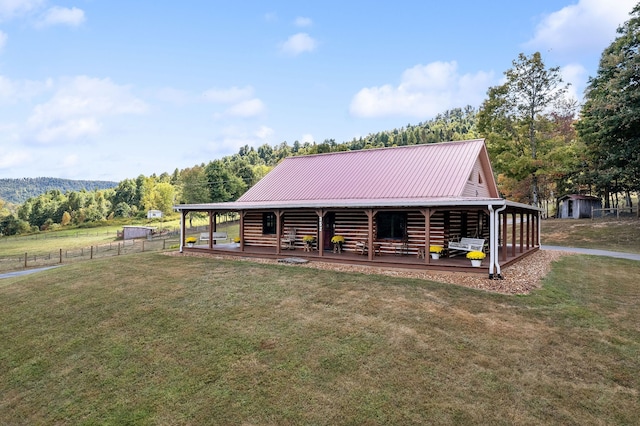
(457, 263)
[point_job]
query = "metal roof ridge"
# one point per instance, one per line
(385, 148)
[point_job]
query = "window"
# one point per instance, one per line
(268, 223)
(392, 225)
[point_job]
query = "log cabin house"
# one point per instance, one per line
(390, 205)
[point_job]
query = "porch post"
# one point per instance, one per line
(513, 234)
(528, 230)
(212, 227)
(183, 216)
(370, 249)
(521, 231)
(278, 230)
(504, 236)
(242, 213)
(320, 214)
(427, 234)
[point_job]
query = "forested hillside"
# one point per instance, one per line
(17, 191)
(541, 147)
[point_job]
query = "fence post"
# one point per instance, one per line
(118, 249)
(143, 246)
(25, 260)
(91, 256)
(60, 255)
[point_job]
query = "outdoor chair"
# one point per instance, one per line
(401, 248)
(363, 246)
(289, 240)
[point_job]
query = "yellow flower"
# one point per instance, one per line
(308, 238)
(337, 239)
(191, 240)
(476, 255)
(435, 249)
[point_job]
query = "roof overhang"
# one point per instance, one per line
(354, 204)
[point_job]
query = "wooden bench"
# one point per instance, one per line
(217, 236)
(467, 244)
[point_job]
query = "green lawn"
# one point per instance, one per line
(156, 339)
(623, 235)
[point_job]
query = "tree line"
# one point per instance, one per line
(542, 145)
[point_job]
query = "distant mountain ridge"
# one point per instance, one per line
(17, 191)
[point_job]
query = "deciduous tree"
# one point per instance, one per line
(514, 114)
(610, 118)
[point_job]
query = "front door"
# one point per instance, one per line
(329, 224)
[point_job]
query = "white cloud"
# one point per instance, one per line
(228, 96)
(303, 22)
(248, 108)
(62, 16)
(71, 160)
(588, 26)
(70, 129)
(13, 8)
(576, 75)
(424, 91)
(13, 158)
(3, 39)
(232, 138)
(308, 137)
(264, 132)
(78, 108)
(243, 104)
(298, 43)
(12, 91)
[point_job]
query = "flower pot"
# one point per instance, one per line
(435, 255)
(189, 244)
(476, 263)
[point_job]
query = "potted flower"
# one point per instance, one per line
(190, 241)
(236, 241)
(435, 251)
(308, 241)
(338, 241)
(476, 258)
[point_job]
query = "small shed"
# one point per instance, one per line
(576, 206)
(129, 232)
(154, 214)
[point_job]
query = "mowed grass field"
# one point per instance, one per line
(156, 339)
(623, 235)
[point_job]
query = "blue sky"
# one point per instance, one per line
(97, 89)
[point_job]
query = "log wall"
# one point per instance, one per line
(353, 226)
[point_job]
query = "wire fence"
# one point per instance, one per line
(61, 256)
(615, 213)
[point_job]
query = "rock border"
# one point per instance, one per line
(522, 277)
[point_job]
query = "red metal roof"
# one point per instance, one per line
(408, 172)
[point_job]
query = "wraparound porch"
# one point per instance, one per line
(457, 263)
(509, 231)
